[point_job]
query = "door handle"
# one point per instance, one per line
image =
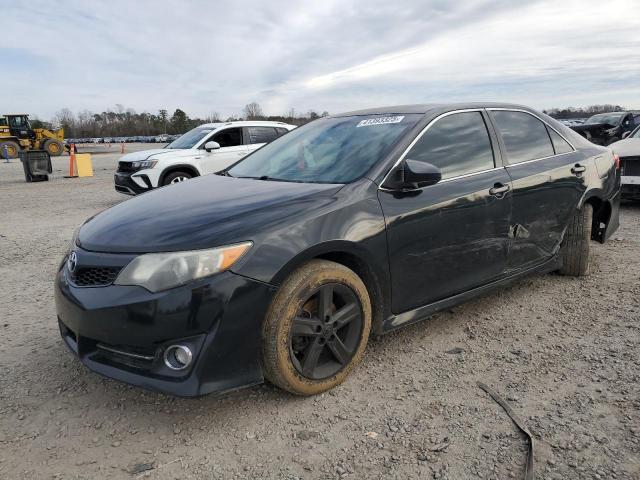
(577, 169)
(499, 189)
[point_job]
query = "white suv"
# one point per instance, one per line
(206, 149)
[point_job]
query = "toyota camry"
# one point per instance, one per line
(283, 265)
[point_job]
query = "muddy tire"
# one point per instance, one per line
(12, 150)
(316, 329)
(575, 248)
(54, 147)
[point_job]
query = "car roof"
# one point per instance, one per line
(429, 107)
(246, 123)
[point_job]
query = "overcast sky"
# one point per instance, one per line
(334, 55)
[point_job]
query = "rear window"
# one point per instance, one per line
(525, 137)
(262, 134)
(560, 145)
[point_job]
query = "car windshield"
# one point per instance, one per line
(328, 150)
(608, 118)
(189, 139)
(636, 133)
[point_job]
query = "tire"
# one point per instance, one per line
(54, 147)
(13, 149)
(329, 306)
(575, 248)
(176, 177)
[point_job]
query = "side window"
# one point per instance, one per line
(457, 144)
(560, 145)
(262, 134)
(281, 131)
(231, 137)
(525, 137)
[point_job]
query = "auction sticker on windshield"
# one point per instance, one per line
(380, 121)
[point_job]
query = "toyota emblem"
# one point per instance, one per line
(72, 262)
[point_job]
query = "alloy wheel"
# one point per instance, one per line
(325, 333)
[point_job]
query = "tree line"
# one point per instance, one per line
(125, 122)
(582, 112)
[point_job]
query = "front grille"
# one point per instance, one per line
(126, 167)
(94, 276)
(630, 166)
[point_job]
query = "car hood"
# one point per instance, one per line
(629, 147)
(201, 213)
(157, 153)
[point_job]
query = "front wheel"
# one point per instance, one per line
(53, 147)
(575, 250)
(176, 177)
(316, 329)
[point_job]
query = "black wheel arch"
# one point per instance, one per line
(602, 209)
(182, 167)
(357, 259)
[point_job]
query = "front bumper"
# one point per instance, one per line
(124, 183)
(122, 331)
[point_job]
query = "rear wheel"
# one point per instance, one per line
(54, 147)
(316, 329)
(176, 177)
(9, 149)
(575, 249)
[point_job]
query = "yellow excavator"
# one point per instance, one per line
(16, 134)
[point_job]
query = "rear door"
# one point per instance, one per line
(548, 182)
(232, 149)
(449, 237)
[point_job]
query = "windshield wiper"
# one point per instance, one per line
(263, 177)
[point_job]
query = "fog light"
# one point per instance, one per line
(177, 357)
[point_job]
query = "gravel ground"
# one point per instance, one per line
(562, 351)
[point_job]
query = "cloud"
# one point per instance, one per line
(333, 55)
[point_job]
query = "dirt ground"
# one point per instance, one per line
(563, 351)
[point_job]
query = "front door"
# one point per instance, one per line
(231, 150)
(453, 236)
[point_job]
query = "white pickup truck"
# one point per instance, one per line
(206, 149)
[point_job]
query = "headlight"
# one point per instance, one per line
(70, 246)
(161, 271)
(144, 164)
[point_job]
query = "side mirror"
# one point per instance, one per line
(626, 134)
(412, 174)
(211, 146)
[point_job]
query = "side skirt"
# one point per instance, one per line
(421, 313)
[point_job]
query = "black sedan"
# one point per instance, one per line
(283, 265)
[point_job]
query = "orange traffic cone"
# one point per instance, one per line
(72, 162)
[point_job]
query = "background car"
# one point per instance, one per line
(206, 149)
(606, 128)
(629, 152)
